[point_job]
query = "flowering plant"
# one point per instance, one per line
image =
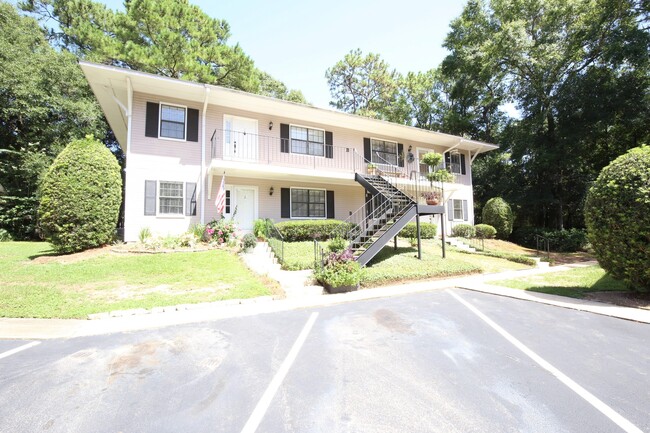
(340, 269)
(221, 231)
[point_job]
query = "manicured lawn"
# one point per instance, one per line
(573, 283)
(401, 265)
(35, 284)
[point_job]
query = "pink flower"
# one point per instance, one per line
(220, 233)
(220, 240)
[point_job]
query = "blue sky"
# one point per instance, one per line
(296, 41)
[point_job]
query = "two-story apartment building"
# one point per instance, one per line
(281, 160)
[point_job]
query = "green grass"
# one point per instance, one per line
(573, 283)
(108, 281)
(401, 265)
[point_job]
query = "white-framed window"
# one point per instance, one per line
(173, 119)
(383, 151)
(458, 209)
(170, 198)
(308, 203)
(307, 141)
(454, 163)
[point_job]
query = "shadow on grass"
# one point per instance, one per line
(570, 292)
(46, 253)
(389, 251)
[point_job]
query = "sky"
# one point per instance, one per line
(296, 41)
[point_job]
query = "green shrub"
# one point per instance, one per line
(259, 228)
(307, 230)
(80, 197)
(197, 230)
(559, 240)
(249, 241)
(18, 216)
(617, 215)
(337, 245)
(463, 231)
(340, 269)
(427, 231)
(221, 231)
(145, 233)
(498, 214)
(5, 236)
(485, 231)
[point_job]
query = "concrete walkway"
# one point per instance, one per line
(60, 328)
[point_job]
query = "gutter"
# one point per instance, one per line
(202, 184)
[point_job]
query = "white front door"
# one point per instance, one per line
(245, 200)
(240, 138)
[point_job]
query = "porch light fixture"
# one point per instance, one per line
(270, 125)
(271, 189)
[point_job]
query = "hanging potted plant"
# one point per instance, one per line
(340, 273)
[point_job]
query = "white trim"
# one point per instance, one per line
(160, 121)
(201, 185)
(291, 204)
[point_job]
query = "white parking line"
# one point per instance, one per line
(589, 397)
(259, 411)
(19, 349)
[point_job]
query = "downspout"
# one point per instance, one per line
(203, 186)
(129, 117)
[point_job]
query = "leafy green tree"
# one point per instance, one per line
(81, 197)
(577, 71)
(269, 86)
(45, 102)
(618, 218)
(498, 214)
(362, 85)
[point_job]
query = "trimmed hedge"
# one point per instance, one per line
(80, 197)
(617, 215)
(463, 231)
(498, 214)
(307, 230)
(427, 231)
(565, 241)
(485, 231)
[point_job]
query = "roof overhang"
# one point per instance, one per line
(109, 84)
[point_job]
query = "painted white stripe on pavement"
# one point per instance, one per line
(19, 349)
(262, 406)
(589, 397)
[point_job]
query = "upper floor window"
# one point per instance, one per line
(455, 165)
(170, 198)
(307, 141)
(383, 152)
(172, 121)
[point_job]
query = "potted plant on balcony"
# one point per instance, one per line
(372, 168)
(432, 197)
(340, 273)
(436, 174)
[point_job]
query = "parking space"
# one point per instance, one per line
(422, 362)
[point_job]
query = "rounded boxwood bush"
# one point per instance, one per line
(617, 215)
(498, 214)
(485, 231)
(463, 231)
(80, 197)
(427, 231)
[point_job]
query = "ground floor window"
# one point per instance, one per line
(308, 203)
(170, 198)
(458, 210)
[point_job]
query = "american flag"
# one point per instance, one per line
(220, 202)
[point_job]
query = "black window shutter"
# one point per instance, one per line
(329, 148)
(462, 164)
(450, 209)
(151, 123)
(192, 124)
(150, 197)
(448, 161)
(367, 152)
(330, 204)
(190, 198)
(465, 216)
(284, 138)
(400, 154)
(285, 203)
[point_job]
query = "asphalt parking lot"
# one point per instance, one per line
(442, 361)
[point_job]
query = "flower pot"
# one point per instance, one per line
(432, 202)
(340, 289)
(372, 171)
